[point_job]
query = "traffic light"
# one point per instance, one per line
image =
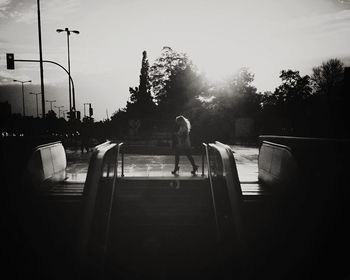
(10, 59)
(70, 115)
(78, 115)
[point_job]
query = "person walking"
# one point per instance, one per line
(182, 143)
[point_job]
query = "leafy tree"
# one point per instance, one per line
(51, 115)
(141, 103)
(223, 103)
(287, 108)
(239, 96)
(332, 95)
(118, 124)
(294, 88)
(328, 76)
(165, 68)
(182, 90)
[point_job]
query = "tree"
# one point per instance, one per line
(240, 96)
(331, 94)
(223, 103)
(294, 88)
(182, 90)
(287, 108)
(51, 114)
(292, 92)
(328, 76)
(118, 123)
(141, 103)
(165, 68)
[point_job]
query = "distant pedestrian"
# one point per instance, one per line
(85, 139)
(182, 143)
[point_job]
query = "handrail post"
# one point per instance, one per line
(122, 164)
(203, 153)
(108, 167)
(212, 193)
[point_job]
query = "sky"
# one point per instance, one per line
(220, 36)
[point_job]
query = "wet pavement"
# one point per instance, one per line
(161, 166)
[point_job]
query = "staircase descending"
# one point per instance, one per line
(161, 228)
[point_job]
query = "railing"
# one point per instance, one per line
(100, 189)
(211, 190)
(111, 201)
(222, 166)
(98, 196)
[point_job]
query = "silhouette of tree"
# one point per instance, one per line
(166, 67)
(328, 76)
(294, 88)
(118, 124)
(51, 115)
(331, 95)
(182, 90)
(287, 108)
(222, 104)
(238, 97)
(141, 103)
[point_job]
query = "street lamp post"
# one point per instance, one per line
(50, 101)
(84, 109)
(36, 97)
(70, 92)
(59, 110)
(23, 82)
(41, 61)
(64, 113)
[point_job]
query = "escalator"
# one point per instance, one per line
(160, 228)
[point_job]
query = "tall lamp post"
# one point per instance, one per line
(59, 110)
(23, 82)
(70, 91)
(50, 101)
(36, 97)
(64, 113)
(41, 61)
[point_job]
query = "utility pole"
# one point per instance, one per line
(23, 82)
(36, 97)
(59, 110)
(41, 61)
(90, 109)
(70, 93)
(48, 61)
(51, 101)
(64, 113)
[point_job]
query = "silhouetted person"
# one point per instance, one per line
(182, 143)
(85, 140)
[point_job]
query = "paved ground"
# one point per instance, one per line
(161, 166)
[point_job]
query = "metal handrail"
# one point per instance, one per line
(109, 214)
(122, 154)
(46, 145)
(90, 190)
(122, 164)
(212, 193)
(232, 181)
(203, 155)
